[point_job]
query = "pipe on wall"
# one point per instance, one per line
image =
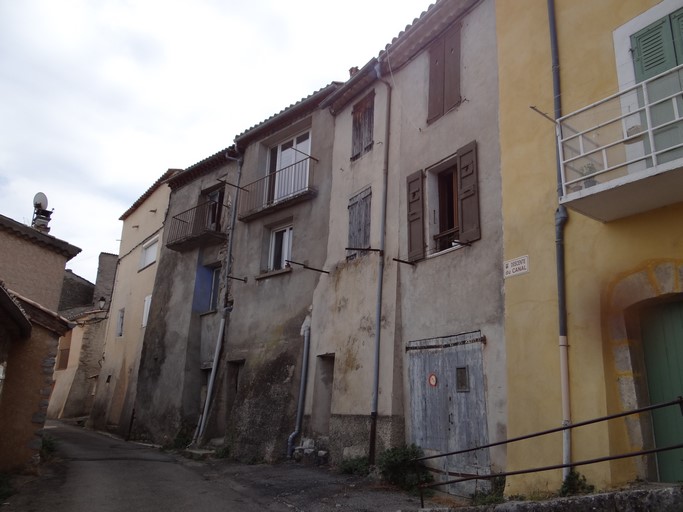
(306, 332)
(199, 432)
(380, 275)
(561, 219)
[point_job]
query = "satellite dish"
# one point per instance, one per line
(40, 201)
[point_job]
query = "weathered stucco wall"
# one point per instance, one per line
(265, 325)
(344, 308)
(117, 380)
(458, 290)
(598, 256)
(170, 378)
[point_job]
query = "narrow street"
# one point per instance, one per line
(96, 472)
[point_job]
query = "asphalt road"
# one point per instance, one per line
(95, 472)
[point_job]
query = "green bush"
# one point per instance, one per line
(397, 468)
(355, 466)
(6, 489)
(575, 483)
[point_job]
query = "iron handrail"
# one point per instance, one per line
(678, 401)
(278, 186)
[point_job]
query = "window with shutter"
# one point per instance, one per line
(658, 47)
(359, 222)
(453, 192)
(444, 74)
(363, 126)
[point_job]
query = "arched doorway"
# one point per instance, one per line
(644, 324)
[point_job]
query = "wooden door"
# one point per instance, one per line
(662, 334)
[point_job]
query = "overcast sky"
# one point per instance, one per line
(99, 97)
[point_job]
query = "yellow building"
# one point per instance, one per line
(621, 182)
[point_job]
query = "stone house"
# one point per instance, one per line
(80, 351)
(129, 308)
(32, 269)
(278, 253)
(187, 300)
(407, 331)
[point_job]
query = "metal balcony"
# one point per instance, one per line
(279, 189)
(201, 225)
(624, 154)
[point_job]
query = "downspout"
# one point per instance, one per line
(306, 332)
(199, 432)
(561, 218)
(380, 275)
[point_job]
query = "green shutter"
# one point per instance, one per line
(653, 50)
(677, 30)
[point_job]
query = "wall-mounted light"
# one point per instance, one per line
(101, 302)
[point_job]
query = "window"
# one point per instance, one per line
(213, 204)
(149, 253)
(288, 167)
(280, 248)
(363, 124)
(359, 222)
(215, 286)
(658, 47)
(64, 351)
(444, 74)
(119, 322)
(453, 204)
(462, 379)
(145, 310)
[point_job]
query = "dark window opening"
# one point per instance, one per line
(462, 379)
(363, 124)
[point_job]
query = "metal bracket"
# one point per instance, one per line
(307, 267)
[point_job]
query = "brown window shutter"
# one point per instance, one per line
(436, 80)
(468, 193)
(452, 69)
(416, 248)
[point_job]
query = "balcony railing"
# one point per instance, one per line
(197, 226)
(278, 189)
(624, 154)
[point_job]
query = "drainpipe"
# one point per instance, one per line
(225, 318)
(561, 218)
(380, 273)
(306, 332)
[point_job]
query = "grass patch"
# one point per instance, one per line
(493, 496)
(574, 484)
(48, 448)
(359, 466)
(222, 453)
(6, 489)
